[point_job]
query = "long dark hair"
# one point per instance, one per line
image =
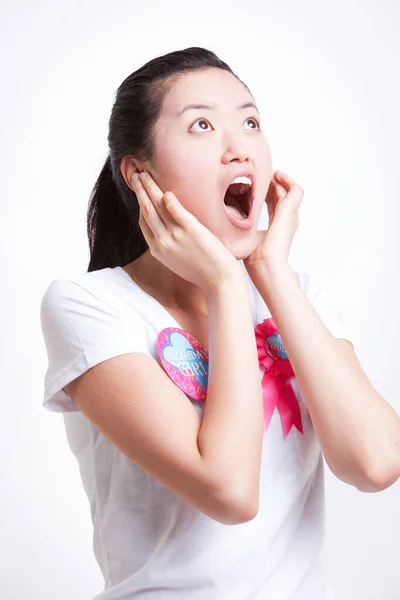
(115, 237)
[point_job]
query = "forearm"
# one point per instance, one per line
(358, 430)
(231, 433)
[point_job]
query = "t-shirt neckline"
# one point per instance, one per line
(149, 297)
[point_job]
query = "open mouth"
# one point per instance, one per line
(238, 200)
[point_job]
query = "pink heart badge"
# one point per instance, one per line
(185, 360)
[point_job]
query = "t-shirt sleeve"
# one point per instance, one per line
(326, 306)
(80, 330)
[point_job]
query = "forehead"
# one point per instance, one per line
(209, 86)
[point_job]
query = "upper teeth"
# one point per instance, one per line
(242, 179)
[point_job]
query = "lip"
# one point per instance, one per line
(236, 221)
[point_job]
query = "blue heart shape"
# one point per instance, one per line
(190, 360)
(276, 345)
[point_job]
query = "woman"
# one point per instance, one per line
(182, 351)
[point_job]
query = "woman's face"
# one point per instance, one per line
(196, 151)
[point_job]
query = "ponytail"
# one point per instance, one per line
(113, 231)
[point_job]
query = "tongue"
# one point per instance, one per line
(235, 211)
(234, 203)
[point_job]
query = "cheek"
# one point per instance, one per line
(264, 176)
(194, 196)
(173, 168)
(185, 178)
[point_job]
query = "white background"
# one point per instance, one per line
(326, 77)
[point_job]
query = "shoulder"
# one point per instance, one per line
(96, 293)
(64, 291)
(89, 310)
(84, 322)
(81, 286)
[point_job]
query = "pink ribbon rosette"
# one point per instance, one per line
(276, 386)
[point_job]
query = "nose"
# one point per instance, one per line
(235, 149)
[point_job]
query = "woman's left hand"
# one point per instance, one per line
(283, 200)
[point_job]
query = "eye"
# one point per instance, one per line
(200, 120)
(254, 121)
(204, 120)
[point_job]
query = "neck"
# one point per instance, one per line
(166, 286)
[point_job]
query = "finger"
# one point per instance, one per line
(280, 191)
(147, 233)
(152, 189)
(273, 197)
(276, 191)
(169, 208)
(293, 190)
(156, 196)
(285, 180)
(183, 217)
(148, 210)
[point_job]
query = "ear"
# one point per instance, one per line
(130, 165)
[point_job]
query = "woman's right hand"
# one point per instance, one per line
(178, 240)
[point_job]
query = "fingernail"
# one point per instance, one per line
(135, 177)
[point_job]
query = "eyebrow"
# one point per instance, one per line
(212, 107)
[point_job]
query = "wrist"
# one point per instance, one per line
(271, 277)
(268, 268)
(227, 281)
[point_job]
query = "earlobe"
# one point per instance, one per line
(128, 167)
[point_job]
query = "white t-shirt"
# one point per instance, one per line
(150, 543)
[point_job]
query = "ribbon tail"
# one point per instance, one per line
(288, 407)
(270, 395)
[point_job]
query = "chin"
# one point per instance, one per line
(241, 249)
